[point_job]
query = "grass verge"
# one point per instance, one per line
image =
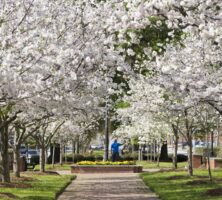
(153, 165)
(35, 186)
(56, 167)
(177, 185)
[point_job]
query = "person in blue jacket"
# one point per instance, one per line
(115, 150)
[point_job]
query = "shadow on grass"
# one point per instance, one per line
(36, 198)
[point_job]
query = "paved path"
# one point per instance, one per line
(110, 186)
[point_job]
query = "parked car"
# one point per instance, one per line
(97, 147)
(23, 150)
(32, 157)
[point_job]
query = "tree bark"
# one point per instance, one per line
(46, 156)
(16, 161)
(61, 154)
(5, 154)
(175, 132)
(212, 144)
(73, 151)
(208, 162)
(77, 145)
(42, 158)
(164, 152)
(53, 155)
(190, 154)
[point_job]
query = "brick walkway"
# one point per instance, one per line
(118, 186)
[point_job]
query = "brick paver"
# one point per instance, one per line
(110, 186)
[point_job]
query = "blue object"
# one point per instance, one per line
(115, 147)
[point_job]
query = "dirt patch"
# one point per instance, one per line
(176, 177)
(43, 173)
(22, 179)
(7, 195)
(214, 192)
(15, 185)
(48, 173)
(202, 176)
(198, 182)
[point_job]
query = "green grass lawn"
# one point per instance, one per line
(56, 167)
(98, 152)
(34, 186)
(177, 185)
(148, 164)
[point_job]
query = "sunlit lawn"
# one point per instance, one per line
(40, 187)
(148, 164)
(177, 185)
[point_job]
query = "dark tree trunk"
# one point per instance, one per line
(190, 155)
(164, 152)
(73, 150)
(42, 158)
(16, 161)
(61, 154)
(53, 155)
(175, 132)
(212, 144)
(77, 145)
(4, 154)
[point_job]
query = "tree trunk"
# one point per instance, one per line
(154, 151)
(16, 161)
(42, 158)
(77, 145)
(212, 144)
(61, 154)
(65, 154)
(190, 154)
(46, 156)
(164, 152)
(175, 132)
(175, 153)
(53, 155)
(158, 155)
(5, 155)
(73, 151)
(208, 162)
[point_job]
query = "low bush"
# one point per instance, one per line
(180, 158)
(80, 157)
(129, 157)
(204, 151)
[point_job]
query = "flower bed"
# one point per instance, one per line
(106, 167)
(106, 163)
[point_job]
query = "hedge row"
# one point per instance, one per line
(80, 157)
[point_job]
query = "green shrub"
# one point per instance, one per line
(180, 158)
(80, 157)
(129, 157)
(98, 158)
(217, 151)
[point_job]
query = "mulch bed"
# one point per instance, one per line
(7, 195)
(177, 177)
(22, 179)
(214, 192)
(43, 173)
(198, 182)
(15, 185)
